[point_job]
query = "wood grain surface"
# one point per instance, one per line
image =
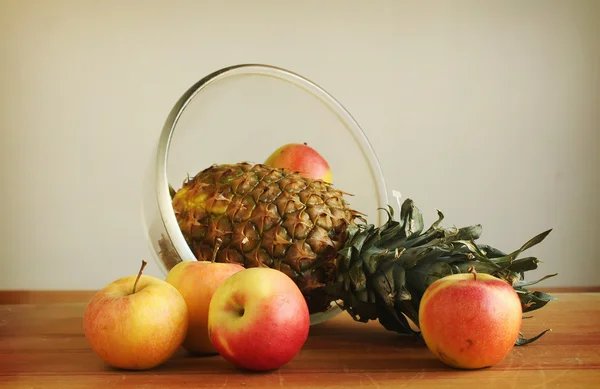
(42, 346)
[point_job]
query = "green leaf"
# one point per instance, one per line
(420, 277)
(521, 341)
(358, 280)
(491, 252)
(412, 219)
(469, 233)
(524, 264)
(423, 239)
(433, 232)
(476, 252)
(360, 238)
(479, 266)
(399, 275)
(530, 243)
(436, 224)
(371, 261)
(392, 321)
(532, 301)
(383, 285)
(520, 284)
(345, 255)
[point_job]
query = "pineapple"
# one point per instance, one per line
(256, 215)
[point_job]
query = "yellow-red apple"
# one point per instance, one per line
(258, 319)
(136, 322)
(301, 158)
(197, 282)
(470, 320)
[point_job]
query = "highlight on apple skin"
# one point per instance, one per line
(136, 327)
(470, 320)
(301, 158)
(258, 319)
(197, 282)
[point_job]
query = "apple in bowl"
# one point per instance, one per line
(258, 319)
(470, 320)
(302, 158)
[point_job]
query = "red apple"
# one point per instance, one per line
(197, 282)
(470, 320)
(136, 323)
(301, 158)
(258, 319)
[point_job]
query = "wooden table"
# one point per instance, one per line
(42, 346)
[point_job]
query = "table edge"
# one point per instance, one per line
(82, 296)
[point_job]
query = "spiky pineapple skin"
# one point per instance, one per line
(256, 215)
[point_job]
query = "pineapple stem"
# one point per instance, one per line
(144, 263)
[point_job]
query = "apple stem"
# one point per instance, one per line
(217, 245)
(472, 270)
(144, 263)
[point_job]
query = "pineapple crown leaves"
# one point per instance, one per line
(383, 272)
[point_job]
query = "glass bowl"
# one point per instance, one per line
(243, 113)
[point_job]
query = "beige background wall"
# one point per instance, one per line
(487, 110)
